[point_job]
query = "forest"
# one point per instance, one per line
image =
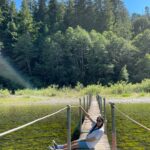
(52, 42)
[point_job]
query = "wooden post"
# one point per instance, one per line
(80, 115)
(104, 115)
(69, 127)
(87, 102)
(90, 98)
(84, 103)
(100, 100)
(114, 146)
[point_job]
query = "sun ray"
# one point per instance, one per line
(8, 72)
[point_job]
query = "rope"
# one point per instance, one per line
(134, 121)
(75, 106)
(30, 123)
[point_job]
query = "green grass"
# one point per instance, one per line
(37, 136)
(129, 135)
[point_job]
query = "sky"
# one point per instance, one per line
(133, 6)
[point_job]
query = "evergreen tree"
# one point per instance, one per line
(80, 8)
(108, 16)
(124, 76)
(140, 24)
(147, 12)
(122, 24)
(26, 20)
(69, 18)
(24, 54)
(40, 13)
(98, 4)
(11, 31)
(52, 14)
(1, 16)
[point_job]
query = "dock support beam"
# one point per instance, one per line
(69, 127)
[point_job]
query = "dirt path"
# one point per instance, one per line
(44, 100)
(18, 100)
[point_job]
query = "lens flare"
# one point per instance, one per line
(8, 72)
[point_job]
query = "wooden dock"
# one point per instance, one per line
(94, 112)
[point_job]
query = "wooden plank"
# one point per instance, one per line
(94, 113)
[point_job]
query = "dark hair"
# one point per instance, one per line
(101, 119)
(102, 122)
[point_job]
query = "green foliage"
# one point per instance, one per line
(26, 20)
(79, 86)
(92, 89)
(24, 54)
(124, 76)
(140, 24)
(142, 68)
(51, 91)
(4, 93)
(77, 41)
(1, 17)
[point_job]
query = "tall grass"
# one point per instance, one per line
(4, 92)
(51, 91)
(122, 89)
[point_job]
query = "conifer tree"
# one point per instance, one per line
(122, 23)
(26, 20)
(52, 13)
(108, 17)
(24, 53)
(69, 14)
(41, 11)
(124, 76)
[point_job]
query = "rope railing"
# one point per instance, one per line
(85, 106)
(113, 108)
(134, 121)
(37, 120)
(32, 122)
(78, 106)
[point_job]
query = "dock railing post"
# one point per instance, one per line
(80, 115)
(104, 115)
(84, 103)
(100, 99)
(87, 103)
(89, 100)
(69, 127)
(114, 145)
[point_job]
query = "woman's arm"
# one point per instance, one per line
(88, 116)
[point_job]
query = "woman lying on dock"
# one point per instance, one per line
(92, 138)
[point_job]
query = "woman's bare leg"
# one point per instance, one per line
(72, 143)
(73, 146)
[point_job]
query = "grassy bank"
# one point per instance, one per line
(129, 135)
